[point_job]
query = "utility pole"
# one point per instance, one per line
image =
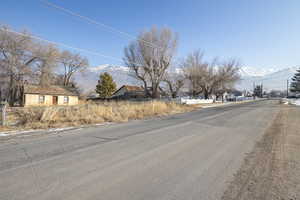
(287, 88)
(253, 90)
(261, 92)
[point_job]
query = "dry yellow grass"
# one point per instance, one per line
(4, 128)
(92, 113)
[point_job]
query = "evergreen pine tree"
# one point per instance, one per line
(295, 84)
(258, 91)
(106, 85)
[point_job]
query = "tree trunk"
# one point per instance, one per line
(11, 91)
(21, 95)
(194, 93)
(65, 80)
(155, 93)
(147, 94)
(174, 94)
(206, 95)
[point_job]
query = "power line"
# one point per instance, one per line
(64, 45)
(98, 24)
(68, 46)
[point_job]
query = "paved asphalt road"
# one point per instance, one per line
(186, 156)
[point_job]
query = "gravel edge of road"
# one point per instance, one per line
(272, 169)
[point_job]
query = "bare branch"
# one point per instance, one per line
(149, 64)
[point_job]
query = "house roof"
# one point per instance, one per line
(50, 90)
(130, 88)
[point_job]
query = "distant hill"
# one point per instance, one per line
(271, 78)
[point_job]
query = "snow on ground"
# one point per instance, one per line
(296, 102)
(51, 130)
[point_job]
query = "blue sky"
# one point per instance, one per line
(261, 33)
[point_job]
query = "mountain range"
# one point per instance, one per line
(121, 75)
(271, 78)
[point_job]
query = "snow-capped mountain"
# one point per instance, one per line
(271, 78)
(108, 68)
(251, 71)
(89, 79)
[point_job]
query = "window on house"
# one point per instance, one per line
(41, 99)
(66, 99)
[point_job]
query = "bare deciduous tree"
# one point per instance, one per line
(150, 56)
(24, 59)
(47, 61)
(209, 78)
(227, 76)
(16, 59)
(193, 68)
(72, 64)
(175, 82)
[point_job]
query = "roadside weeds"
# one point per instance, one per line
(89, 114)
(33, 119)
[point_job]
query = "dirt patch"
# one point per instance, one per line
(272, 170)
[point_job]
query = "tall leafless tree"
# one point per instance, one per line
(25, 59)
(193, 68)
(150, 56)
(16, 60)
(47, 61)
(227, 75)
(209, 78)
(72, 64)
(175, 81)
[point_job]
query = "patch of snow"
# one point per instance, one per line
(104, 123)
(12, 133)
(59, 129)
(195, 101)
(296, 102)
(52, 130)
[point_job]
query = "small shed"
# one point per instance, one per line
(35, 95)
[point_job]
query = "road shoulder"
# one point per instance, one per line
(272, 169)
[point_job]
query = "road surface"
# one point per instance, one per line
(186, 156)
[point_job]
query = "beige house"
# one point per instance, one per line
(35, 95)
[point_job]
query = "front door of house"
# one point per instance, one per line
(55, 99)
